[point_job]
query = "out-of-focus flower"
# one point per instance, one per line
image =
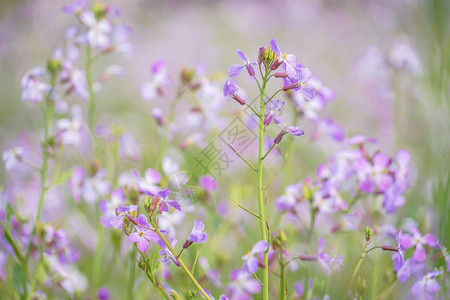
(243, 285)
(427, 286)
(148, 184)
(291, 195)
(230, 88)
(76, 79)
(409, 267)
(142, 236)
(70, 129)
(129, 148)
(118, 198)
(13, 157)
(418, 241)
(251, 262)
(33, 89)
(273, 108)
(197, 235)
(374, 174)
(402, 56)
(288, 60)
(150, 90)
(103, 294)
(99, 31)
(235, 70)
(76, 7)
(324, 259)
(208, 183)
(164, 201)
(121, 211)
(72, 279)
(292, 130)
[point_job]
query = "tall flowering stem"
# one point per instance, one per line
(91, 114)
(182, 265)
(261, 204)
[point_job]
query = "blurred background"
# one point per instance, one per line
(387, 61)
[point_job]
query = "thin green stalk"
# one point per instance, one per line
(268, 151)
(261, 204)
(11, 242)
(182, 265)
(282, 277)
(132, 275)
(358, 266)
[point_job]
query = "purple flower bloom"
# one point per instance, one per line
(393, 199)
(148, 184)
(324, 259)
(376, 174)
(403, 158)
(98, 34)
(165, 252)
(76, 78)
(427, 286)
(142, 236)
(243, 285)
(197, 235)
(251, 262)
(76, 7)
(399, 257)
(235, 70)
(230, 88)
(409, 267)
(117, 221)
(129, 148)
(13, 157)
(208, 183)
(107, 207)
(288, 60)
(274, 108)
(291, 195)
(163, 206)
(298, 82)
(103, 294)
(32, 89)
(418, 241)
(152, 89)
(70, 129)
(296, 131)
(76, 183)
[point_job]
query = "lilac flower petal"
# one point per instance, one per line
(432, 286)
(420, 254)
(142, 244)
(252, 264)
(259, 247)
(174, 204)
(151, 236)
(275, 48)
(117, 221)
(418, 287)
(430, 240)
(198, 237)
(134, 237)
(208, 183)
(304, 74)
(242, 55)
(252, 286)
(198, 226)
(407, 241)
(308, 92)
(235, 70)
(164, 194)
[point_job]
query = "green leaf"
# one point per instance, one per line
(62, 178)
(18, 278)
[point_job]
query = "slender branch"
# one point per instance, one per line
(254, 169)
(272, 96)
(283, 288)
(182, 265)
(247, 210)
(278, 172)
(268, 151)
(11, 241)
(259, 86)
(355, 272)
(91, 113)
(254, 111)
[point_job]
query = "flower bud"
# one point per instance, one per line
(187, 244)
(261, 55)
(187, 75)
(281, 74)
(175, 295)
(238, 99)
(154, 204)
(307, 257)
(389, 248)
(276, 64)
(161, 207)
(99, 10)
(291, 86)
(368, 232)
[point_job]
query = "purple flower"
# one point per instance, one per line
(418, 241)
(427, 286)
(208, 183)
(251, 262)
(76, 78)
(393, 199)
(324, 259)
(13, 157)
(197, 235)
(243, 285)
(165, 252)
(142, 236)
(292, 130)
(230, 88)
(70, 129)
(374, 174)
(103, 294)
(98, 34)
(107, 207)
(76, 183)
(148, 184)
(298, 82)
(95, 187)
(235, 70)
(403, 158)
(409, 267)
(274, 108)
(32, 89)
(129, 148)
(288, 60)
(291, 195)
(399, 257)
(152, 89)
(121, 211)
(163, 196)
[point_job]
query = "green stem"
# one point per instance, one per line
(132, 275)
(282, 277)
(261, 205)
(11, 241)
(268, 151)
(312, 225)
(358, 266)
(182, 265)
(238, 154)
